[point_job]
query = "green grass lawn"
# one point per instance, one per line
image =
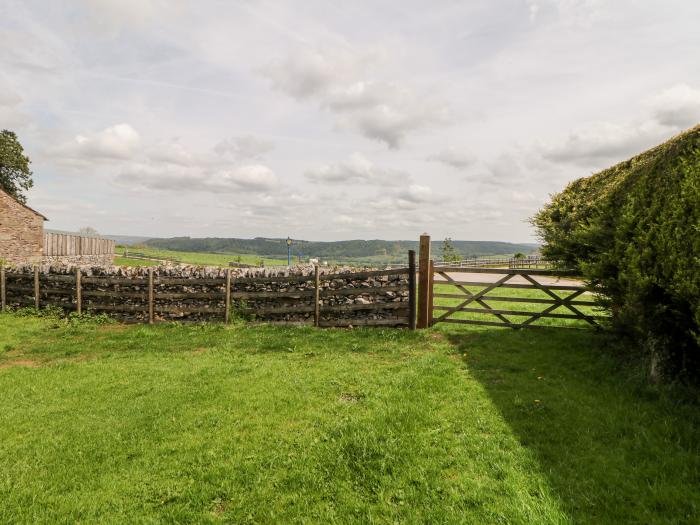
(203, 259)
(127, 261)
(257, 424)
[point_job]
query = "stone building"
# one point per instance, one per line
(21, 231)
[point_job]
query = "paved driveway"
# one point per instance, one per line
(493, 277)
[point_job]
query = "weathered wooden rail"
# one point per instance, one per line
(370, 298)
(559, 301)
(458, 296)
(529, 261)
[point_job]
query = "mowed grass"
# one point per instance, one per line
(256, 424)
(196, 258)
(127, 261)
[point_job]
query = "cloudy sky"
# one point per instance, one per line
(335, 120)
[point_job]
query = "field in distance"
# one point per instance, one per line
(355, 252)
(197, 258)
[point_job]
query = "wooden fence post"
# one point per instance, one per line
(411, 289)
(36, 287)
(150, 296)
(317, 297)
(424, 291)
(431, 273)
(78, 292)
(227, 314)
(2, 288)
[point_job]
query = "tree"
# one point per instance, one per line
(519, 255)
(449, 254)
(15, 175)
(88, 231)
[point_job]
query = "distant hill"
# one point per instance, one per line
(335, 249)
(128, 240)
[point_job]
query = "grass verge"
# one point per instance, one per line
(214, 423)
(196, 258)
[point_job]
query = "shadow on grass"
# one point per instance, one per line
(614, 449)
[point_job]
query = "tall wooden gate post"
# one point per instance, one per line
(227, 307)
(431, 278)
(36, 287)
(317, 297)
(424, 291)
(411, 289)
(78, 292)
(151, 298)
(2, 287)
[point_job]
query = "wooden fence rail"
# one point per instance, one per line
(474, 298)
(388, 296)
(527, 262)
(464, 292)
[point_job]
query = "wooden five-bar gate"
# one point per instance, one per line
(506, 297)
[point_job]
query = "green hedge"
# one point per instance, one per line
(635, 229)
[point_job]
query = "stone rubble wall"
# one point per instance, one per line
(103, 260)
(205, 292)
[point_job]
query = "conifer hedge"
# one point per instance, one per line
(635, 229)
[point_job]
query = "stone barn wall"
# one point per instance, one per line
(21, 232)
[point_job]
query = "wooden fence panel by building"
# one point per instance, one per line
(65, 245)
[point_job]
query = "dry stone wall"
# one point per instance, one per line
(79, 260)
(193, 293)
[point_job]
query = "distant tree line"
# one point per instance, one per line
(337, 249)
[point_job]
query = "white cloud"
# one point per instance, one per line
(8, 97)
(577, 13)
(453, 157)
(12, 116)
(349, 222)
(677, 106)
(252, 178)
(411, 198)
(505, 168)
(244, 147)
(172, 153)
(600, 143)
(523, 197)
(522, 96)
(356, 169)
(416, 193)
(123, 143)
(110, 17)
(169, 165)
(120, 141)
(314, 72)
(342, 82)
